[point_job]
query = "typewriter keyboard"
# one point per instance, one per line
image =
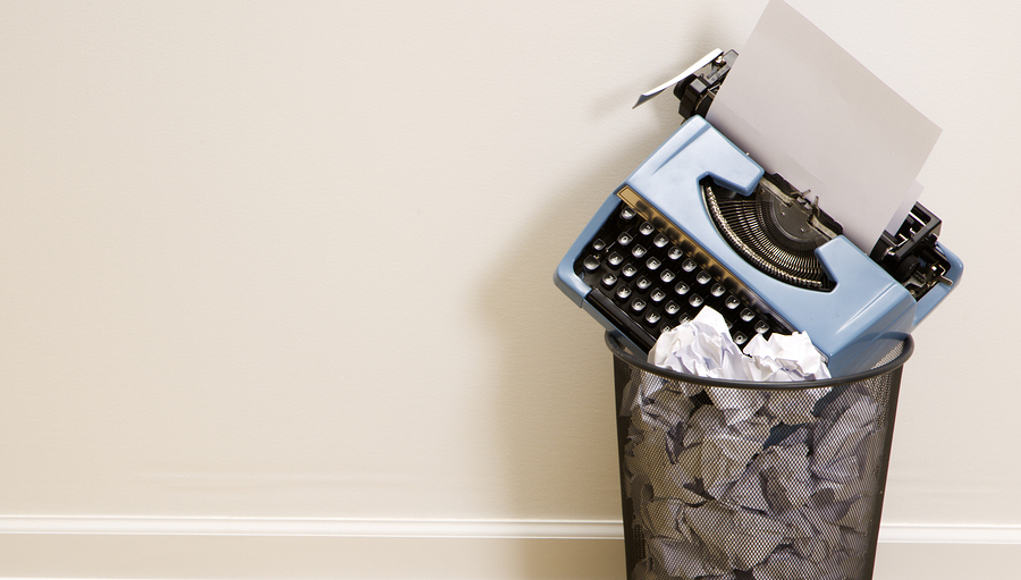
(646, 284)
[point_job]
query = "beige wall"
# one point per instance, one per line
(277, 260)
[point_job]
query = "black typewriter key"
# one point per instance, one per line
(676, 253)
(627, 213)
(629, 270)
(703, 277)
(660, 240)
(667, 276)
(652, 263)
(717, 290)
(747, 315)
(695, 300)
(689, 265)
(740, 338)
(732, 302)
(623, 292)
(598, 245)
(615, 259)
(646, 229)
(609, 280)
(657, 295)
(761, 327)
(591, 263)
(638, 251)
(652, 317)
(643, 283)
(665, 328)
(682, 288)
(638, 305)
(624, 239)
(671, 308)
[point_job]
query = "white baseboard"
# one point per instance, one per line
(904, 533)
(417, 549)
(303, 527)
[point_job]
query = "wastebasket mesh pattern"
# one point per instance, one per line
(766, 483)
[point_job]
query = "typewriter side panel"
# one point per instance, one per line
(855, 339)
(695, 151)
(565, 278)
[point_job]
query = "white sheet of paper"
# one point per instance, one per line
(806, 109)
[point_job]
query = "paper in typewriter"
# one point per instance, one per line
(803, 107)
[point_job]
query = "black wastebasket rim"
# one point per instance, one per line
(615, 342)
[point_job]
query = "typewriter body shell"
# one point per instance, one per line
(864, 313)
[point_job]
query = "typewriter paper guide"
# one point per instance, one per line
(803, 107)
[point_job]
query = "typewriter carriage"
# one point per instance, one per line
(912, 255)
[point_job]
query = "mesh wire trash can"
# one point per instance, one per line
(732, 480)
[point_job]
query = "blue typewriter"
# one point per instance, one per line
(700, 224)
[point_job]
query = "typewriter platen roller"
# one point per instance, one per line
(699, 223)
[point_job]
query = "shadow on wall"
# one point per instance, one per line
(557, 435)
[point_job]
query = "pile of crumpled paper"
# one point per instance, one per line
(703, 347)
(748, 483)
